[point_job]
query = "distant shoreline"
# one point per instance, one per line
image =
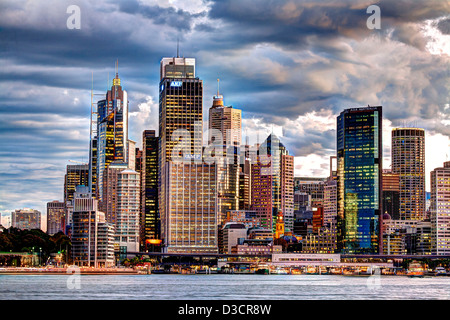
(65, 271)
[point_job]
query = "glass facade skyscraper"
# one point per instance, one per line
(359, 158)
(150, 224)
(76, 175)
(187, 186)
(112, 131)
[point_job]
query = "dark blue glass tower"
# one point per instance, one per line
(359, 155)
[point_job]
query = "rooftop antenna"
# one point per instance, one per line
(178, 47)
(218, 87)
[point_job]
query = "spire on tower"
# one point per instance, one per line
(116, 80)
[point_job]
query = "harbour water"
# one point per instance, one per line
(221, 286)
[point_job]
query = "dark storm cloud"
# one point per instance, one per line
(289, 23)
(444, 26)
(177, 18)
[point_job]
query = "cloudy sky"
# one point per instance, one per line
(291, 66)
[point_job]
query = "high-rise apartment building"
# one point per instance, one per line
(440, 209)
(121, 204)
(150, 223)
(26, 219)
(110, 193)
(408, 161)
(359, 161)
(128, 211)
(91, 236)
(56, 217)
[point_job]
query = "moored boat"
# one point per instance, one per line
(440, 271)
(415, 270)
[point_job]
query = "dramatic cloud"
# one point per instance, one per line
(291, 66)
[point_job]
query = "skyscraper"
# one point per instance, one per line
(76, 175)
(189, 222)
(188, 194)
(56, 217)
(225, 139)
(408, 161)
(359, 158)
(440, 210)
(272, 184)
(226, 120)
(112, 130)
(180, 108)
(150, 224)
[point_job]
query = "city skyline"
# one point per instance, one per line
(306, 123)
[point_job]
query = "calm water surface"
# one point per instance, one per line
(214, 287)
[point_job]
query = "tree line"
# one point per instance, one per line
(35, 241)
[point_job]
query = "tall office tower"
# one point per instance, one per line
(225, 139)
(91, 236)
(26, 219)
(187, 194)
(112, 130)
(226, 120)
(391, 194)
(408, 160)
(245, 178)
(76, 175)
(244, 191)
(180, 108)
(359, 159)
(150, 224)
(56, 217)
(138, 160)
(440, 209)
(190, 220)
(272, 183)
